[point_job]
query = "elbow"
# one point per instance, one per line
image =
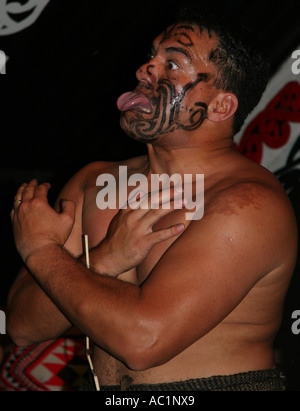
(16, 338)
(142, 360)
(16, 333)
(144, 351)
(20, 342)
(137, 360)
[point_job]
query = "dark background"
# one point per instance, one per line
(58, 99)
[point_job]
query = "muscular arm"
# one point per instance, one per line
(32, 315)
(201, 278)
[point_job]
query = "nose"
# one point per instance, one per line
(148, 73)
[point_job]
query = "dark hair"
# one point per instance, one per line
(242, 68)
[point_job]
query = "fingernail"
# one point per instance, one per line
(180, 227)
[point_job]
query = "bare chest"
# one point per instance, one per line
(95, 223)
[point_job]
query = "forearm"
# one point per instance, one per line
(117, 315)
(32, 316)
(100, 306)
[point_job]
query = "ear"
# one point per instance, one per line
(222, 107)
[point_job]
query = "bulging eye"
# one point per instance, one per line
(172, 65)
(150, 56)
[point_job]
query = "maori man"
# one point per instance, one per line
(169, 303)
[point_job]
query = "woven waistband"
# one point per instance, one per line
(261, 380)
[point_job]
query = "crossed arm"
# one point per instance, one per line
(200, 279)
(34, 314)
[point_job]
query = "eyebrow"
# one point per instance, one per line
(179, 50)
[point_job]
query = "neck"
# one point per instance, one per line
(205, 159)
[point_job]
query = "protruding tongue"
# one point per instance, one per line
(134, 100)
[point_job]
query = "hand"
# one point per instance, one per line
(130, 236)
(35, 223)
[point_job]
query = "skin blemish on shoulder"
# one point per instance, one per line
(236, 198)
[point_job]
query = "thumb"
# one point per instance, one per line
(68, 207)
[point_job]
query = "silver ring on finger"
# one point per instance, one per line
(17, 202)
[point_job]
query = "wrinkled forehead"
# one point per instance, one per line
(189, 36)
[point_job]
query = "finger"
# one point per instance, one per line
(68, 212)
(41, 191)
(16, 203)
(154, 215)
(18, 195)
(156, 199)
(17, 200)
(12, 215)
(28, 191)
(136, 196)
(137, 199)
(164, 197)
(166, 233)
(68, 207)
(149, 216)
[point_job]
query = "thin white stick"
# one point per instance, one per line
(86, 247)
(87, 340)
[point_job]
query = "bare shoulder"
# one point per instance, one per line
(256, 218)
(247, 235)
(75, 190)
(261, 195)
(81, 190)
(78, 185)
(245, 241)
(85, 177)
